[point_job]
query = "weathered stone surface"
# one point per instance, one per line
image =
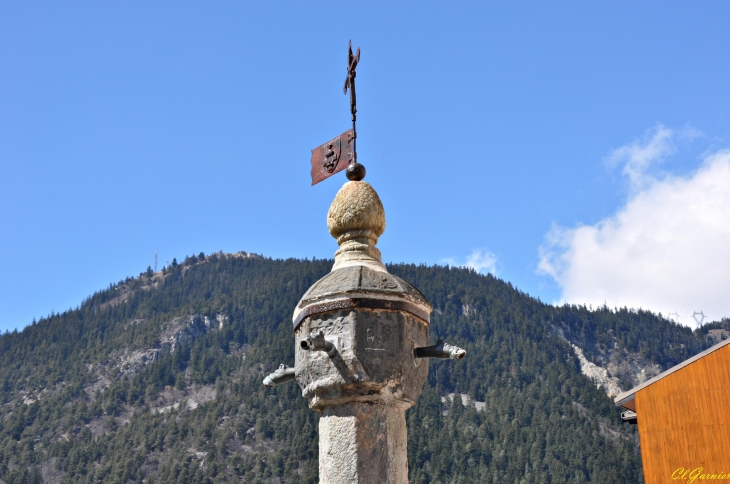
(356, 207)
(363, 442)
(362, 280)
(374, 357)
(356, 219)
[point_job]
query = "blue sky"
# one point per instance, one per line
(532, 139)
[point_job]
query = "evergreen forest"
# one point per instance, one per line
(158, 379)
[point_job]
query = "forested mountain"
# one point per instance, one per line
(158, 379)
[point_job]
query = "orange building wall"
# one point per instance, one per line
(684, 421)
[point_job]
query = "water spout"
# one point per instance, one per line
(440, 350)
(282, 375)
(318, 343)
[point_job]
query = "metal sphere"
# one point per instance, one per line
(355, 172)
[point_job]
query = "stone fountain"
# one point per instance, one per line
(361, 348)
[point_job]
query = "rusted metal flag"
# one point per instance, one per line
(333, 156)
(336, 154)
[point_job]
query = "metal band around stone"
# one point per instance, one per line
(362, 303)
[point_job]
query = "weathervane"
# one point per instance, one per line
(352, 61)
(340, 153)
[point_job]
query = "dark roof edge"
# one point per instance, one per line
(629, 395)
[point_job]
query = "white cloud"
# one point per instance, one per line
(481, 260)
(667, 249)
(640, 156)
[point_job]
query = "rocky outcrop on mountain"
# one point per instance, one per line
(123, 363)
(719, 334)
(466, 401)
(614, 368)
(185, 330)
(609, 368)
(600, 376)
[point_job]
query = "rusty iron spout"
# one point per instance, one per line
(318, 343)
(441, 350)
(281, 375)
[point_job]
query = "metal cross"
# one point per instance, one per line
(352, 61)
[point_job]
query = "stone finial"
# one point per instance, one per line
(356, 219)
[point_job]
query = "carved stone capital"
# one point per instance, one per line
(356, 219)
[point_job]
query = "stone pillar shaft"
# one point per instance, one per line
(364, 443)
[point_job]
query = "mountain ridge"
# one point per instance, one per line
(158, 378)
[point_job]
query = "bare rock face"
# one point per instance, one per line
(600, 376)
